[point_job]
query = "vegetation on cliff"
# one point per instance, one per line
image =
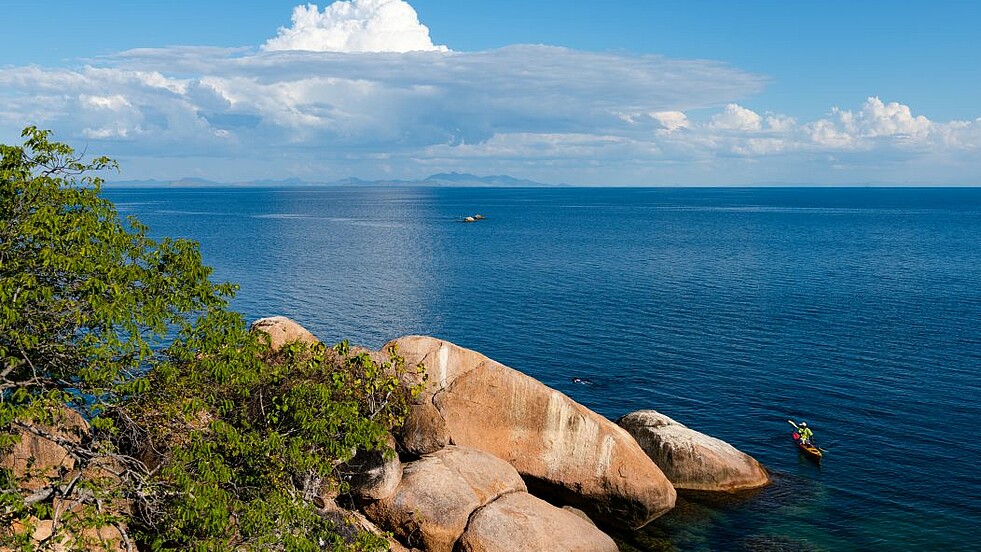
(200, 437)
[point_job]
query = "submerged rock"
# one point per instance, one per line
(693, 460)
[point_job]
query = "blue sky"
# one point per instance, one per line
(625, 93)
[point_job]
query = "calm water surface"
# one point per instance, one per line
(731, 310)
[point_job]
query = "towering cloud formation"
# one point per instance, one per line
(355, 26)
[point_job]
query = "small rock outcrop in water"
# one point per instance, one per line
(693, 460)
(565, 451)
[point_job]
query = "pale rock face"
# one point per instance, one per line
(693, 460)
(519, 521)
(281, 330)
(561, 448)
(430, 509)
(424, 430)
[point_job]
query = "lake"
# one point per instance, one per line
(731, 310)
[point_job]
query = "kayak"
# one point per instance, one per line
(808, 449)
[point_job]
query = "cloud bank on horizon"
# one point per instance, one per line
(360, 89)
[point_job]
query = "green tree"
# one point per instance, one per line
(86, 302)
(213, 442)
(261, 447)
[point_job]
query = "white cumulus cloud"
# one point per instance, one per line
(877, 118)
(355, 26)
(736, 117)
(671, 120)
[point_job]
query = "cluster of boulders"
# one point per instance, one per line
(490, 459)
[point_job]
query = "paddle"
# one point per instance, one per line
(791, 422)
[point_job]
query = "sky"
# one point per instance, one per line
(627, 93)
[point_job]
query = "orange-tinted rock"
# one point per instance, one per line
(563, 449)
(36, 458)
(431, 507)
(519, 521)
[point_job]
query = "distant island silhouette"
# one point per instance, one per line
(446, 179)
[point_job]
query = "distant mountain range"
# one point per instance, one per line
(451, 179)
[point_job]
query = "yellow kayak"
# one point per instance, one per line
(808, 448)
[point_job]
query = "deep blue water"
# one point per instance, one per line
(731, 310)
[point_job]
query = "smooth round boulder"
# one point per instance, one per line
(519, 521)
(438, 493)
(424, 430)
(282, 330)
(692, 460)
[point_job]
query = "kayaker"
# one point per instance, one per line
(805, 433)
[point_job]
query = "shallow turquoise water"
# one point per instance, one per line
(730, 310)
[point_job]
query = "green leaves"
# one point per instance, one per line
(215, 443)
(84, 294)
(263, 438)
(86, 304)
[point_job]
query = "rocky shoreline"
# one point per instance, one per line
(490, 459)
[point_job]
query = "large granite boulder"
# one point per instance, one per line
(281, 330)
(562, 449)
(431, 507)
(693, 460)
(519, 521)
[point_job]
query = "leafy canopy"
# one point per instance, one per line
(214, 442)
(85, 299)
